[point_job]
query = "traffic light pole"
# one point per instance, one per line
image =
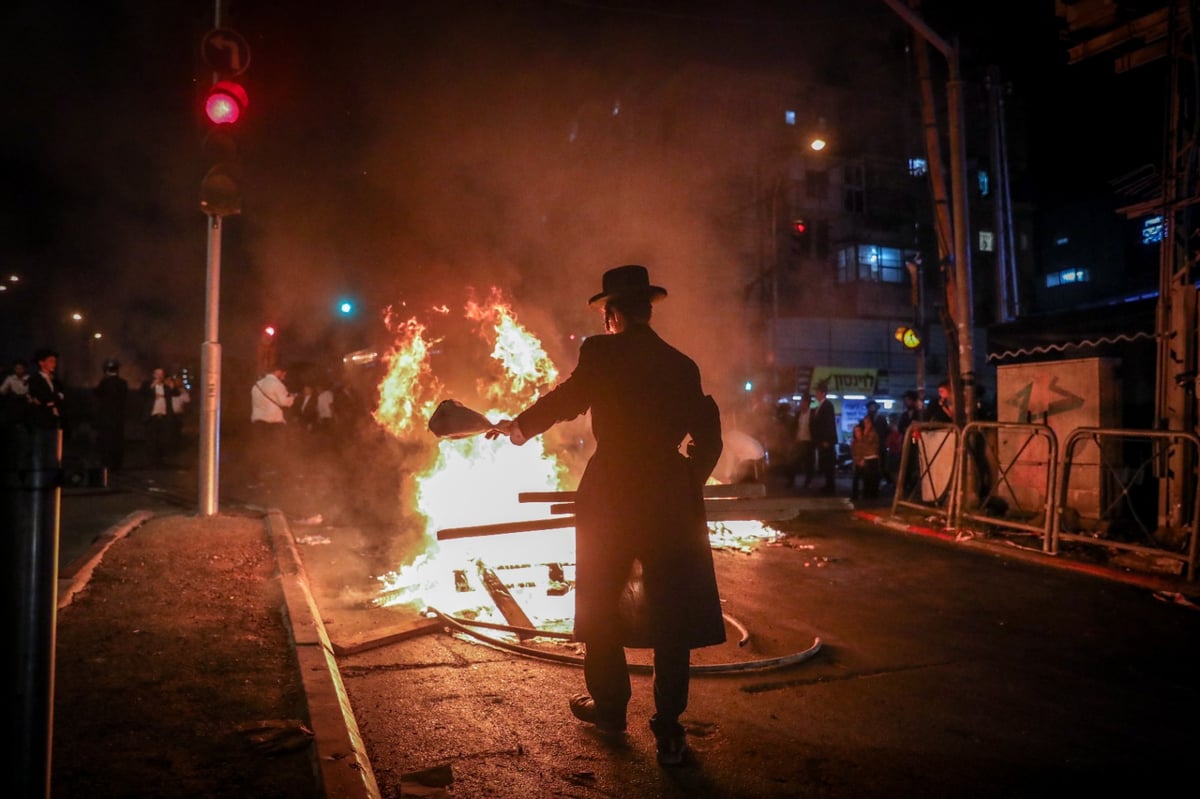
(963, 311)
(210, 376)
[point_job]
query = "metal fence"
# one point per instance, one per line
(1131, 490)
(1126, 490)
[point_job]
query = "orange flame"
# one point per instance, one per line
(472, 481)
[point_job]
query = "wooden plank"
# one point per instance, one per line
(450, 533)
(513, 613)
(772, 507)
(715, 491)
(388, 635)
(718, 510)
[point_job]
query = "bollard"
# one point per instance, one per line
(31, 488)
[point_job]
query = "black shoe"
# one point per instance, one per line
(583, 707)
(672, 749)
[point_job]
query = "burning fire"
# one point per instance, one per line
(472, 481)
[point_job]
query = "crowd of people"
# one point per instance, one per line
(804, 446)
(99, 421)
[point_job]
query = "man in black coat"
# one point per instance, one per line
(46, 394)
(640, 503)
(825, 436)
(111, 394)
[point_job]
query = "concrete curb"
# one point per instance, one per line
(1147, 581)
(74, 577)
(342, 760)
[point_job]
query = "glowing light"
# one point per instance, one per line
(224, 103)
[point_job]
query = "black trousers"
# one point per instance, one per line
(827, 463)
(607, 676)
(158, 438)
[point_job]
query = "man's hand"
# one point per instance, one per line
(507, 427)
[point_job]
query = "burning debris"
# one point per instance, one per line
(478, 499)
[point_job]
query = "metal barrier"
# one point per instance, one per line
(1132, 470)
(927, 478)
(1011, 468)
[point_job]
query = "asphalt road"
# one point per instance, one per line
(942, 671)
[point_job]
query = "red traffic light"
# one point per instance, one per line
(225, 102)
(799, 227)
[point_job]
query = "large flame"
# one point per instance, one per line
(466, 482)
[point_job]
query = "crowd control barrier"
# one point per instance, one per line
(1006, 477)
(1131, 490)
(927, 477)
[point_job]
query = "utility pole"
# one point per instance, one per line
(962, 310)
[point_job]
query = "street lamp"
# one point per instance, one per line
(818, 141)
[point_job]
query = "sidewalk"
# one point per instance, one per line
(190, 660)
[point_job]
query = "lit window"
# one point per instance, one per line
(1065, 277)
(869, 263)
(987, 241)
(1153, 230)
(918, 167)
(789, 117)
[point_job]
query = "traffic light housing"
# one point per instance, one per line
(225, 103)
(267, 354)
(800, 245)
(909, 337)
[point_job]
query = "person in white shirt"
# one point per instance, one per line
(14, 394)
(157, 414)
(269, 397)
(325, 408)
(179, 404)
(805, 452)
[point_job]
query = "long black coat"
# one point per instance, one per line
(640, 499)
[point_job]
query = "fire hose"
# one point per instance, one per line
(466, 627)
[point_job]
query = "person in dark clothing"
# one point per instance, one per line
(866, 451)
(640, 506)
(111, 394)
(910, 414)
(941, 409)
(46, 394)
(825, 437)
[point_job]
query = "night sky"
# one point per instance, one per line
(401, 152)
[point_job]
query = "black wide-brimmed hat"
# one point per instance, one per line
(627, 281)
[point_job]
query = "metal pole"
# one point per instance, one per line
(210, 378)
(964, 318)
(32, 494)
(210, 362)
